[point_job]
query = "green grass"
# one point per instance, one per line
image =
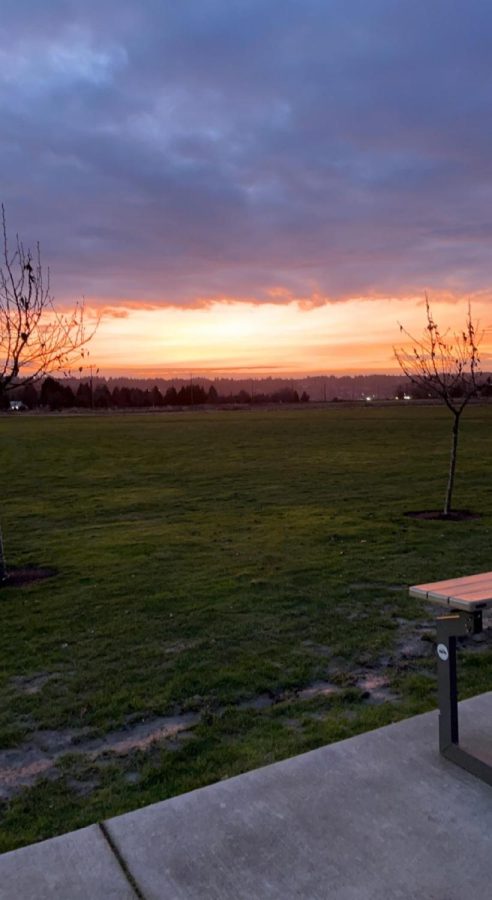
(206, 558)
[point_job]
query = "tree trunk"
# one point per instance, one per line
(452, 464)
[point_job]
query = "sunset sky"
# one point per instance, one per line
(241, 185)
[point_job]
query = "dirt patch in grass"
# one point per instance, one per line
(318, 689)
(31, 684)
(414, 646)
(416, 641)
(262, 701)
(376, 688)
(24, 765)
(179, 646)
(18, 576)
(41, 754)
(141, 736)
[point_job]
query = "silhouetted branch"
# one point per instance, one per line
(35, 338)
(447, 368)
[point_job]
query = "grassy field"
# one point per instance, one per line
(234, 583)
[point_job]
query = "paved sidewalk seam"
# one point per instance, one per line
(121, 861)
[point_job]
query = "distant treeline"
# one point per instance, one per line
(55, 395)
(97, 393)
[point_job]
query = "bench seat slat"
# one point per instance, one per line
(470, 592)
(452, 585)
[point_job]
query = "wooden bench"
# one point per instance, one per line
(465, 599)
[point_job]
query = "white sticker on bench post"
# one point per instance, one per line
(442, 652)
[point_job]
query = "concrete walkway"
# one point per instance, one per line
(378, 817)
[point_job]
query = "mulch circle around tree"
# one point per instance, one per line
(19, 575)
(456, 515)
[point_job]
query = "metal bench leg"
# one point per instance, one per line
(449, 627)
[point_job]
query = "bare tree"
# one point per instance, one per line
(446, 367)
(35, 339)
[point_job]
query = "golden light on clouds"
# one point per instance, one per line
(352, 336)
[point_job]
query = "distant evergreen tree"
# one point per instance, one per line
(191, 395)
(48, 390)
(171, 397)
(156, 397)
(68, 397)
(125, 397)
(418, 392)
(486, 390)
(199, 394)
(56, 395)
(137, 399)
(102, 397)
(29, 396)
(83, 397)
(285, 395)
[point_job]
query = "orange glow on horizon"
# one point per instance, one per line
(228, 338)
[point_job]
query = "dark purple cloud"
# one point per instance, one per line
(165, 151)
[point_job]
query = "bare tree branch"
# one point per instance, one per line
(446, 367)
(35, 339)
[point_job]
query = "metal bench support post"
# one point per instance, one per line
(449, 627)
